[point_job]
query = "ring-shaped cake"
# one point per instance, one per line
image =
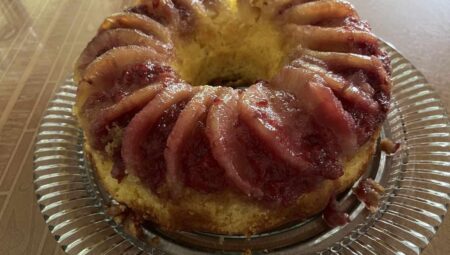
(233, 116)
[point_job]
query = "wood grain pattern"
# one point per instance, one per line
(40, 40)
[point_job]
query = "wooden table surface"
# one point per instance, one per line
(40, 39)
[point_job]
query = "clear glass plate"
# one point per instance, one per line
(417, 182)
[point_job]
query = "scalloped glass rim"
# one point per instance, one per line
(417, 182)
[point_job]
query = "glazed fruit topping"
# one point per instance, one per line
(369, 192)
(333, 215)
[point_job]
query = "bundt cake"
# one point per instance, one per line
(231, 116)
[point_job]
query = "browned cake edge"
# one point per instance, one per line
(225, 212)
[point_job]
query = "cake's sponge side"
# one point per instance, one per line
(224, 212)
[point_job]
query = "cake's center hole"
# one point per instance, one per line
(235, 48)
